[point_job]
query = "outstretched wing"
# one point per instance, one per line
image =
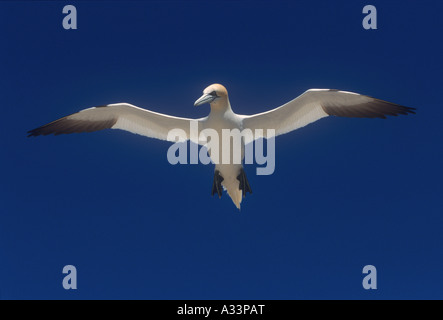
(122, 116)
(315, 104)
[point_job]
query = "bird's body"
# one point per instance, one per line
(219, 120)
(311, 106)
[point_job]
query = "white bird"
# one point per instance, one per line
(311, 106)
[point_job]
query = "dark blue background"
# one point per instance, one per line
(345, 192)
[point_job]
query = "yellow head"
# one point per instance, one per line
(215, 94)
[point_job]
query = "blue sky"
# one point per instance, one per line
(345, 192)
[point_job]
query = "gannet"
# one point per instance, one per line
(312, 105)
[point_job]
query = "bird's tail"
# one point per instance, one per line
(235, 193)
(230, 182)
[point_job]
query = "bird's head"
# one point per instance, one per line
(215, 94)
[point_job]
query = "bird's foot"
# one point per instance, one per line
(244, 183)
(216, 185)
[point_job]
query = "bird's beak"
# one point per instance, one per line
(206, 98)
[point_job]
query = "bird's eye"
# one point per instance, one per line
(213, 93)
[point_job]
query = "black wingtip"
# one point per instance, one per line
(410, 110)
(31, 133)
(36, 132)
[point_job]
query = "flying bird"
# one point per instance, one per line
(309, 107)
